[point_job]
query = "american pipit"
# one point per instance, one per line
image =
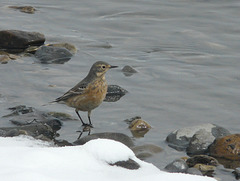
(90, 92)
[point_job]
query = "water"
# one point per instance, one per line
(186, 53)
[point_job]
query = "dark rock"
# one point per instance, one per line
(145, 151)
(35, 130)
(180, 139)
(236, 172)
(128, 70)
(23, 115)
(129, 164)
(108, 135)
(177, 166)
(201, 159)
(51, 54)
(62, 143)
(114, 93)
(19, 110)
(59, 115)
(194, 171)
(227, 147)
(18, 41)
(24, 9)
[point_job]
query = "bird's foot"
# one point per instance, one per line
(87, 125)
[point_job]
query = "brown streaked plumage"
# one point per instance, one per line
(90, 92)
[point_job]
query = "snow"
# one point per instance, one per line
(26, 159)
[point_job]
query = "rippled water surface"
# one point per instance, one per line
(186, 53)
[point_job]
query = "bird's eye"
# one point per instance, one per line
(103, 66)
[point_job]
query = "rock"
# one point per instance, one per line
(203, 163)
(51, 54)
(236, 172)
(139, 127)
(145, 151)
(180, 139)
(4, 59)
(23, 115)
(108, 135)
(24, 9)
(39, 131)
(17, 41)
(114, 93)
(227, 147)
(194, 171)
(99, 45)
(201, 159)
(129, 164)
(199, 142)
(204, 168)
(60, 115)
(177, 166)
(68, 46)
(128, 70)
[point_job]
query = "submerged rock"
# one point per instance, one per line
(138, 126)
(128, 70)
(145, 151)
(24, 9)
(180, 139)
(17, 41)
(226, 147)
(51, 54)
(114, 93)
(129, 164)
(68, 46)
(126, 140)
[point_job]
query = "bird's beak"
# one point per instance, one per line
(112, 66)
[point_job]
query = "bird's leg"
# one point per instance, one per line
(89, 119)
(80, 117)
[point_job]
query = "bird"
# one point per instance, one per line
(89, 93)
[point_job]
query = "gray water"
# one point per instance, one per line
(186, 53)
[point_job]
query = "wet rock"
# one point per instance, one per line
(138, 126)
(108, 135)
(236, 172)
(180, 139)
(39, 131)
(202, 159)
(177, 166)
(68, 46)
(145, 151)
(51, 54)
(17, 41)
(205, 164)
(62, 143)
(129, 164)
(128, 70)
(60, 115)
(22, 115)
(24, 9)
(114, 93)
(19, 110)
(199, 142)
(227, 147)
(194, 171)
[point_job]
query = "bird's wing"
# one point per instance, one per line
(76, 90)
